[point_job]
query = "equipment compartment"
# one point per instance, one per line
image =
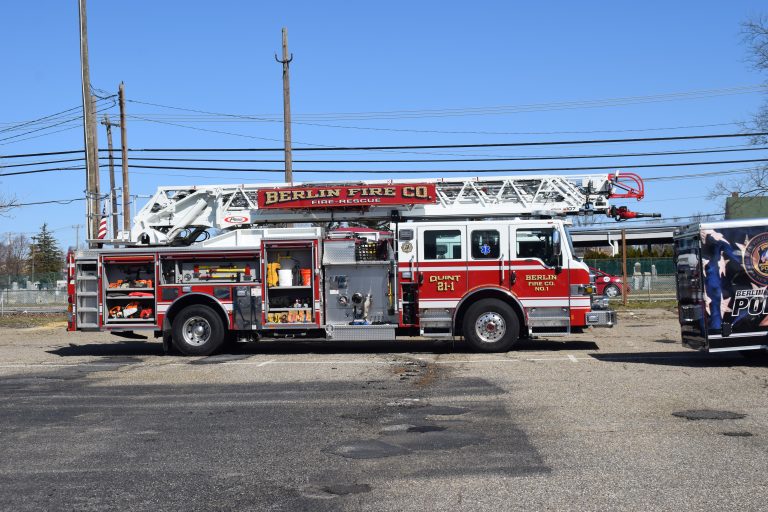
(289, 279)
(129, 290)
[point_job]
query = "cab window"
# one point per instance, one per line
(485, 244)
(442, 244)
(536, 243)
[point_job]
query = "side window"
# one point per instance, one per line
(442, 244)
(485, 244)
(536, 243)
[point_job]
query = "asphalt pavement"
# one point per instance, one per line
(621, 419)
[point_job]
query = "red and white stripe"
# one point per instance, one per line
(103, 226)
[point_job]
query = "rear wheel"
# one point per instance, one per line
(198, 331)
(491, 325)
(611, 291)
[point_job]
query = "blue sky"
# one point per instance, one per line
(368, 57)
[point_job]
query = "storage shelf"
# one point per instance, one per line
(291, 324)
(280, 310)
(297, 287)
(120, 290)
(129, 320)
(131, 298)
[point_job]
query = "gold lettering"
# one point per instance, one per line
(270, 197)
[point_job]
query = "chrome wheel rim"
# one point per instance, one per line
(196, 331)
(490, 327)
(611, 291)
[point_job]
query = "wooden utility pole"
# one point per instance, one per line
(124, 150)
(286, 61)
(89, 132)
(112, 190)
(625, 283)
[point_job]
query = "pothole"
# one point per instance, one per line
(222, 358)
(445, 410)
(737, 434)
(344, 489)
(425, 428)
(706, 414)
(366, 449)
(407, 402)
(437, 440)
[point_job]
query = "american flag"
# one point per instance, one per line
(103, 224)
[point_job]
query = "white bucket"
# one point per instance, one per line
(285, 277)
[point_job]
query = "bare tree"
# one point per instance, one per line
(755, 183)
(14, 253)
(7, 203)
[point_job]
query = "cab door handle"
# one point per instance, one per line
(512, 277)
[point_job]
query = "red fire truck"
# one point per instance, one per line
(488, 259)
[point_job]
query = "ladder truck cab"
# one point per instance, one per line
(487, 259)
(722, 283)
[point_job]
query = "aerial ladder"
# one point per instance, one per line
(183, 215)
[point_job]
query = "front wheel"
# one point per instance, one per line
(491, 325)
(197, 331)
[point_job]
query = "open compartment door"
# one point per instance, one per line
(290, 292)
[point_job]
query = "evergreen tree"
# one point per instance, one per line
(46, 259)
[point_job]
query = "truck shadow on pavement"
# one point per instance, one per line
(145, 348)
(684, 359)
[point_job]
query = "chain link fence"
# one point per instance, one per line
(38, 293)
(649, 278)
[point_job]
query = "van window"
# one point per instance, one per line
(536, 243)
(442, 244)
(485, 244)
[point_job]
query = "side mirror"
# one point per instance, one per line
(556, 246)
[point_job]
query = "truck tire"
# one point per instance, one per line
(491, 325)
(197, 331)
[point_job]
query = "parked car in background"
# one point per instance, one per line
(607, 284)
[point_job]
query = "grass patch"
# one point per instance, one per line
(27, 320)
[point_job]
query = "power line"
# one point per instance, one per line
(55, 201)
(49, 153)
(450, 146)
(42, 163)
(76, 118)
(412, 171)
(512, 109)
(445, 160)
(243, 117)
(453, 171)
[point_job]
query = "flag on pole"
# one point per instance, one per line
(103, 224)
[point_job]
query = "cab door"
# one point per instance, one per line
(538, 279)
(441, 265)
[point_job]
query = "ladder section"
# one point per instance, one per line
(180, 214)
(87, 294)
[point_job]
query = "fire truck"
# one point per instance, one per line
(485, 258)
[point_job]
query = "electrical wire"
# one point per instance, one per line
(244, 118)
(449, 146)
(53, 125)
(433, 160)
(454, 171)
(511, 109)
